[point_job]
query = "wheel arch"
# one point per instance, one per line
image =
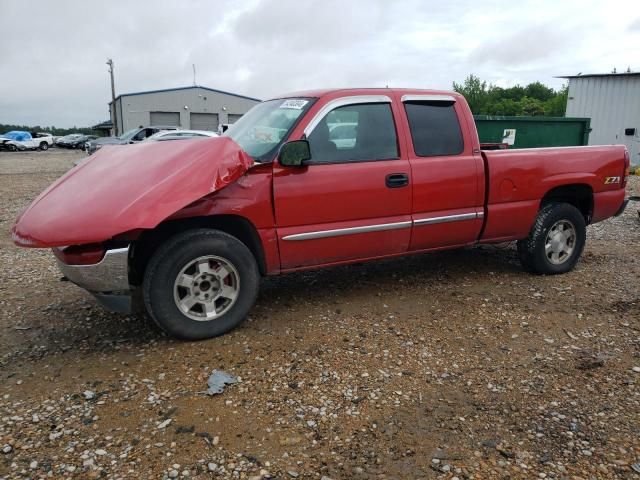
(580, 195)
(150, 240)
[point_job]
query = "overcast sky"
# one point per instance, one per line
(53, 72)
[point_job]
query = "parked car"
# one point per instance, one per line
(165, 135)
(193, 225)
(343, 134)
(179, 135)
(64, 141)
(9, 141)
(17, 140)
(75, 140)
(132, 136)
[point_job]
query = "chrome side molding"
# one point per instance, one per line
(448, 218)
(348, 231)
(383, 226)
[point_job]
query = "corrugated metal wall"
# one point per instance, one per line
(613, 104)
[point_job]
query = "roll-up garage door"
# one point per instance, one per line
(204, 121)
(234, 117)
(168, 119)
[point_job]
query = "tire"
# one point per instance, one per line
(44, 146)
(556, 240)
(198, 255)
(13, 148)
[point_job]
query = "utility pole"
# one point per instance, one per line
(194, 74)
(113, 98)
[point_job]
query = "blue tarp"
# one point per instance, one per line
(17, 135)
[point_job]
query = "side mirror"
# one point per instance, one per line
(295, 153)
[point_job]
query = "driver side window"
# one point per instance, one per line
(355, 133)
(139, 136)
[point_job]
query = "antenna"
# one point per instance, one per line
(194, 74)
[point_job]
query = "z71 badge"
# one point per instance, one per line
(610, 180)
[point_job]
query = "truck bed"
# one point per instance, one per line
(517, 180)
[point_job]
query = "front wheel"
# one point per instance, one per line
(556, 240)
(44, 146)
(200, 284)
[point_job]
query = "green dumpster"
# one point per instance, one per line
(531, 132)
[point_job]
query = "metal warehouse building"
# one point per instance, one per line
(612, 101)
(196, 108)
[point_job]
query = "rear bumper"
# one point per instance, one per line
(625, 203)
(107, 280)
(621, 209)
(607, 204)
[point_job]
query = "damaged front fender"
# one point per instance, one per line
(128, 187)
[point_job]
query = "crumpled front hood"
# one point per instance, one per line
(128, 187)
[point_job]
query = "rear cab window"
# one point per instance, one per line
(434, 126)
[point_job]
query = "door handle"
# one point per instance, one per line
(395, 180)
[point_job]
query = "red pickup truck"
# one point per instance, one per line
(308, 180)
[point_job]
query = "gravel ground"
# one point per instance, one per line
(449, 365)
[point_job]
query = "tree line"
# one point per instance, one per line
(52, 130)
(531, 100)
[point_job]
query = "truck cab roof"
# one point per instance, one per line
(347, 92)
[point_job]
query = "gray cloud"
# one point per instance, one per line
(533, 43)
(54, 71)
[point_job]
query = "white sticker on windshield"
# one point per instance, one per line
(294, 104)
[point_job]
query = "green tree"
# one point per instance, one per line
(539, 91)
(514, 93)
(505, 106)
(52, 130)
(532, 99)
(474, 91)
(531, 107)
(556, 106)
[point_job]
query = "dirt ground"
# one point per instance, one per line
(449, 365)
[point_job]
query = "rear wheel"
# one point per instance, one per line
(200, 284)
(556, 240)
(44, 146)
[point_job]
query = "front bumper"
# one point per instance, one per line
(107, 280)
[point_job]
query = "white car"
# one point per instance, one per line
(343, 134)
(19, 140)
(166, 135)
(179, 135)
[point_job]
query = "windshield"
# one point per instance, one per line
(127, 135)
(263, 128)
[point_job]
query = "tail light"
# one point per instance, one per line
(627, 168)
(80, 254)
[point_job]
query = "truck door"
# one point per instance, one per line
(446, 171)
(352, 200)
